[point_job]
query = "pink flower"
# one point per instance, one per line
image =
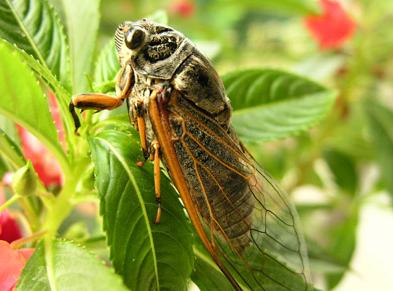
(183, 8)
(43, 161)
(333, 27)
(12, 263)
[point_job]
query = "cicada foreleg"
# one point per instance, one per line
(102, 101)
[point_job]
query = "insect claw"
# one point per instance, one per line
(158, 215)
(146, 154)
(75, 117)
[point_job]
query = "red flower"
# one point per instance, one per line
(44, 163)
(184, 8)
(333, 27)
(12, 263)
(9, 228)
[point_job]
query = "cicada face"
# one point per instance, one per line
(153, 50)
(244, 220)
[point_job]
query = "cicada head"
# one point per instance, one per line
(151, 48)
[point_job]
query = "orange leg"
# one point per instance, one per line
(124, 82)
(157, 173)
(141, 127)
(93, 101)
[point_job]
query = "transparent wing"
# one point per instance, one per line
(250, 222)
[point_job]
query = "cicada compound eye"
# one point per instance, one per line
(135, 38)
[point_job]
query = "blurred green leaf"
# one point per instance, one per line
(381, 130)
(159, 16)
(34, 27)
(343, 243)
(9, 128)
(23, 101)
(10, 152)
(106, 68)
(321, 261)
(343, 168)
(320, 67)
(74, 269)
(301, 7)
(206, 275)
(342, 136)
(3, 167)
(271, 104)
(82, 26)
(148, 256)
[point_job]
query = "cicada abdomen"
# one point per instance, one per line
(178, 103)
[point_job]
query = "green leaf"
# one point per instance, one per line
(3, 167)
(321, 261)
(10, 152)
(9, 129)
(106, 68)
(206, 275)
(271, 104)
(344, 170)
(82, 26)
(343, 243)
(148, 256)
(42, 72)
(34, 27)
(23, 101)
(74, 269)
(353, 143)
(381, 130)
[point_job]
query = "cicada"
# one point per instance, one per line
(178, 104)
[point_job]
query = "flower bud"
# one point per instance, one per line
(24, 181)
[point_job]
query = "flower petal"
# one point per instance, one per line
(9, 228)
(333, 27)
(11, 270)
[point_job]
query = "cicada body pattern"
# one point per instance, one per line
(178, 103)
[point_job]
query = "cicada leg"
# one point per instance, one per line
(100, 102)
(93, 101)
(141, 127)
(157, 178)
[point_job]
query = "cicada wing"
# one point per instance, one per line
(252, 226)
(275, 257)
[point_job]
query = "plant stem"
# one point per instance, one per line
(49, 263)
(9, 202)
(34, 237)
(58, 211)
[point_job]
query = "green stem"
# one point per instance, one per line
(49, 259)
(56, 214)
(9, 202)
